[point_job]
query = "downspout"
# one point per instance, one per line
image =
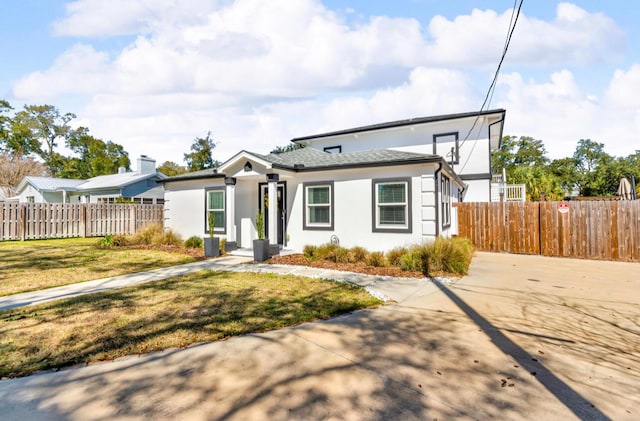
(437, 198)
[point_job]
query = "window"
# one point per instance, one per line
(318, 206)
(446, 145)
(215, 203)
(333, 149)
(392, 205)
(31, 199)
(445, 195)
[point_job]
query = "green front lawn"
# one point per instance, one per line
(33, 265)
(200, 307)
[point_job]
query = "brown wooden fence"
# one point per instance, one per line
(607, 230)
(30, 221)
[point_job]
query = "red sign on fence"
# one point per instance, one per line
(563, 207)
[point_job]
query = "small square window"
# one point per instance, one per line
(318, 206)
(391, 205)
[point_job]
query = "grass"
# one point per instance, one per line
(33, 265)
(201, 307)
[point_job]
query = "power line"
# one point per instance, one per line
(487, 99)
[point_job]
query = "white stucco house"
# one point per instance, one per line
(378, 186)
(141, 186)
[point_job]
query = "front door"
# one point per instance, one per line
(281, 202)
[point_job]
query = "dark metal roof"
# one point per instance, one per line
(401, 123)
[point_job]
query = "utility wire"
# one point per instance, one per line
(487, 99)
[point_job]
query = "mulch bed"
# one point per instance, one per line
(301, 260)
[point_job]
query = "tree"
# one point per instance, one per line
(94, 156)
(4, 123)
(566, 171)
(288, 148)
(200, 157)
(46, 125)
(597, 170)
(520, 151)
(171, 169)
(14, 167)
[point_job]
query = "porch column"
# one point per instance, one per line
(230, 227)
(272, 209)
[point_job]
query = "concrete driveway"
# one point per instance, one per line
(521, 337)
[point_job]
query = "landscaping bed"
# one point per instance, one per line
(301, 260)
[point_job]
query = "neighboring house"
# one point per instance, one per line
(142, 186)
(379, 186)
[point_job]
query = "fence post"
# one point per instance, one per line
(22, 224)
(83, 220)
(132, 219)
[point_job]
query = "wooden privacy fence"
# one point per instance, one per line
(607, 230)
(30, 221)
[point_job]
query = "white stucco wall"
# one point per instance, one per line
(352, 207)
(477, 191)
(474, 153)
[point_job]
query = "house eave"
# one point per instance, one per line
(400, 123)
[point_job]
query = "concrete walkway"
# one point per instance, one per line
(521, 337)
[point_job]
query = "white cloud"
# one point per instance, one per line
(624, 89)
(79, 70)
(259, 72)
(100, 18)
(575, 36)
(560, 112)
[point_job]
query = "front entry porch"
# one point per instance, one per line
(248, 194)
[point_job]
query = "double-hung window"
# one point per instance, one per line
(318, 206)
(392, 205)
(445, 194)
(215, 204)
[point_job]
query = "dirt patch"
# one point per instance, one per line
(301, 260)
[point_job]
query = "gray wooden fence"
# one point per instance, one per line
(30, 221)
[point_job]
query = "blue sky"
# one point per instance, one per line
(153, 75)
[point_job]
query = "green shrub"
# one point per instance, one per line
(357, 254)
(223, 246)
(325, 251)
(394, 256)
(310, 251)
(376, 259)
(168, 238)
(194, 242)
(450, 255)
(147, 235)
(120, 240)
(106, 241)
(410, 262)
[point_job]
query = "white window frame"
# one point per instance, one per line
(307, 225)
(392, 228)
(222, 229)
(445, 199)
